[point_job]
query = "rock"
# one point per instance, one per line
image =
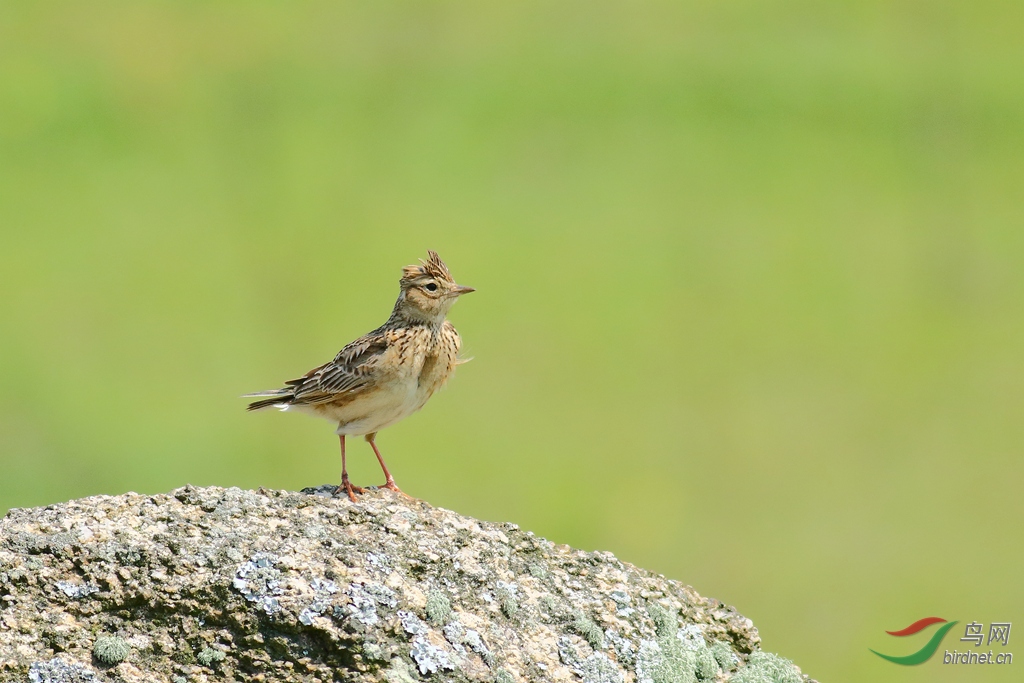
(206, 584)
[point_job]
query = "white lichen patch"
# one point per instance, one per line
(260, 581)
(76, 590)
(364, 601)
(412, 624)
(430, 658)
(323, 592)
(58, 671)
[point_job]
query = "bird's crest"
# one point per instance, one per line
(432, 266)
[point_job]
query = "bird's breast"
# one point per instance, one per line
(433, 362)
(418, 362)
(434, 372)
(423, 361)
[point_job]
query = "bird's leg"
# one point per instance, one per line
(390, 481)
(346, 485)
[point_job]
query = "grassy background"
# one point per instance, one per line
(750, 296)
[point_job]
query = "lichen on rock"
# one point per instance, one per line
(110, 649)
(207, 584)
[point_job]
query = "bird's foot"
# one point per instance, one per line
(392, 486)
(349, 489)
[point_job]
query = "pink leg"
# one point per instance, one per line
(346, 485)
(390, 481)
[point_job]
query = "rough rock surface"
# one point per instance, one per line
(206, 584)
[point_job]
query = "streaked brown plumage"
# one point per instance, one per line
(385, 375)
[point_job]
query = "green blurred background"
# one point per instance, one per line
(750, 307)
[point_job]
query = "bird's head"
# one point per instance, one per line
(428, 290)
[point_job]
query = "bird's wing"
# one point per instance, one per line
(353, 369)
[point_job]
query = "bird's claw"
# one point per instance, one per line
(349, 489)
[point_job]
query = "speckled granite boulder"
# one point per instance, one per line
(206, 584)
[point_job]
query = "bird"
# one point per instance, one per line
(387, 374)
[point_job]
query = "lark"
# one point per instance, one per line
(388, 374)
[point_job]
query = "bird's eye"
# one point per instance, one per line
(431, 287)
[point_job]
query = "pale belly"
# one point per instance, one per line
(374, 410)
(370, 412)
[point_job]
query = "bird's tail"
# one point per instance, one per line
(277, 397)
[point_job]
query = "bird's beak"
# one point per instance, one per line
(462, 289)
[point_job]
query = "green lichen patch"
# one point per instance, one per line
(664, 661)
(764, 667)
(537, 570)
(723, 654)
(210, 656)
(584, 626)
(706, 666)
(111, 650)
(677, 655)
(439, 608)
(507, 599)
(399, 672)
(510, 606)
(665, 622)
